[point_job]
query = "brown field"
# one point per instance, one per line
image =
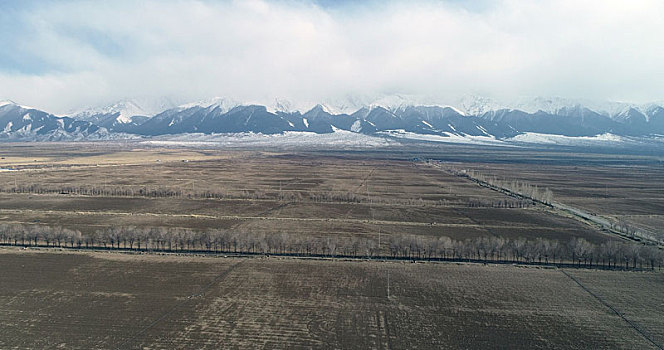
(267, 193)
(633, 192)
(106, 300)
(66, 299)
(617, 291)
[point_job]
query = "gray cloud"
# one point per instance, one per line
(62, 55)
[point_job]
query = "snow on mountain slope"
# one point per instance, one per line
(395, 103)
(12, 103)
(552, 116)
(527, 120)
(281, 105)
(478, 105)
(122, 112)
(345, 105)
(6, 102)
(223, 103)
(120, 115)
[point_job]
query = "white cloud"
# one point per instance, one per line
(97, 52)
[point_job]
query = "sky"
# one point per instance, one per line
(63, 55)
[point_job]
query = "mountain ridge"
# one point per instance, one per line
(227, 116)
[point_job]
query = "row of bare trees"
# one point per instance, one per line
(578, 251)
(254, 194)
(131, 191)
(181, 239)
(522, 188)
(630, 230)
(505, 203)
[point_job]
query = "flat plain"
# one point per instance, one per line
(110, 300)
(619, 186)
(63, 298)
(264, 192)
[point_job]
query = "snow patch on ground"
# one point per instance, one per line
(306, 122)
(447, 137)
(550, 139)
(427, 124)
(291, 139)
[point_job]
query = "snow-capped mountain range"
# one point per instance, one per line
(19, 122)
(395, 116)
(123, 114)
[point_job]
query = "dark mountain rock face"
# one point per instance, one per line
(17, 122)
(112, 123)
(577, 121)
